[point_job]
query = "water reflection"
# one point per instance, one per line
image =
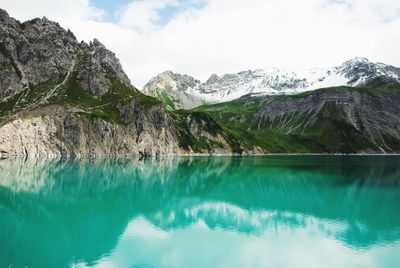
(180, 212)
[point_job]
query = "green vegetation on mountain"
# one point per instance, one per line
(329, 120)
(195, 129)
(169, 103)
(30, 98)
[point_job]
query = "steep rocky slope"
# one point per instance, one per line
(173, 89)
(59, 97)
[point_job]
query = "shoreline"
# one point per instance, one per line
(188, 156)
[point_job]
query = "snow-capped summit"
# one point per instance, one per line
(360, 70)
(186, 92)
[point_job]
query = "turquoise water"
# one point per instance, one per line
(277, 211)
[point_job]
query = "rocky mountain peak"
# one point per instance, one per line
(272, 81)
(212, 79)
(176, 90)
(360, 70)
(8, 23)
(3, 14)
(171, 81)
(96, 43)
(45, 24)
(33, 52)
(357, 63)
(168, 73)
(357, 60)
(39, 50)
(176, 76)
(100, 66)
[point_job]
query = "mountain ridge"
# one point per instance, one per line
(272, 81)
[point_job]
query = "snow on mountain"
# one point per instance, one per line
(183, 91)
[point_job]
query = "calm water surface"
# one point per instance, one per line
(277, 211)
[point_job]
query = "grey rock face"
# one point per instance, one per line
(373, 118)
(212, 79)
(11, 76)
(45, 50)
(10, 82)
(154, 128)
(58, 132)
(38, 50)
(99, 63)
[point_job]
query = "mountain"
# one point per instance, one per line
(61, 97)
(178, 90)
(64, 98)
(363, 119)
(173, 89)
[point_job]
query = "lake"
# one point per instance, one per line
(272, 211)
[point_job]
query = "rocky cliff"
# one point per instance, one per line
(61, 97)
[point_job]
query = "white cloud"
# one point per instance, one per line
(143, 15)
(231, 35)
(55, 10)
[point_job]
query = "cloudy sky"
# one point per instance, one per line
(200, 37)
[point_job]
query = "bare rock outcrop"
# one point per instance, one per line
(59, 132)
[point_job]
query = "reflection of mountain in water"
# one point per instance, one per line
(80, 208)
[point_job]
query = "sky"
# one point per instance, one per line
(201, 37)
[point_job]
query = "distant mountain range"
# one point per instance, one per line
(183, 91)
